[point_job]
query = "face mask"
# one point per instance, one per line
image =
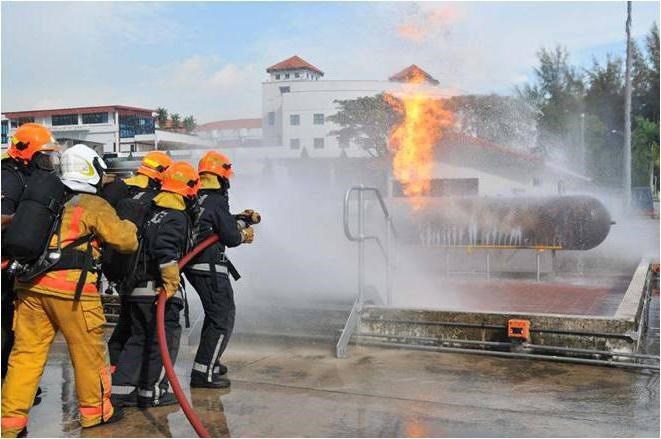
(46, 160)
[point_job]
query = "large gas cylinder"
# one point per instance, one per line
(575, 222)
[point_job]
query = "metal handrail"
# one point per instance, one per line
(354, 317)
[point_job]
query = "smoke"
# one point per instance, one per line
(300, 276)
(426, 22)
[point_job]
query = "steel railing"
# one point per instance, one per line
(361, 239)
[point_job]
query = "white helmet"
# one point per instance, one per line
(82, 169)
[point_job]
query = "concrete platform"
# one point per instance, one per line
(606, 316)
(298, 389)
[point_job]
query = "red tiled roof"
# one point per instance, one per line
(411, 72)
(490, 146)
(230, 124)
(122, 109)
(295, 62)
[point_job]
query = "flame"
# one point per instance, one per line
(413, 140)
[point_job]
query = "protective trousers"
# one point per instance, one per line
(215, 291)
(140, 366)
(121, 333)
(7, 304)
(37, 319)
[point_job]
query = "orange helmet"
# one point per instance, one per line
(29, 139)
(154, 164)
(181, 178)
(216, 163)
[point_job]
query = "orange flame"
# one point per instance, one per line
(414, 138)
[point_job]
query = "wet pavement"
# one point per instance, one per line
(288, 387)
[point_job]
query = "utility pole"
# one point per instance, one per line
(627, 116)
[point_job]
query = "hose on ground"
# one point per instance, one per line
(192, 416)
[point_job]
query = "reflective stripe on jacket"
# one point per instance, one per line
(85, 215)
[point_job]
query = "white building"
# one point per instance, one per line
(108, 129)
(296, 103)
(232, 133)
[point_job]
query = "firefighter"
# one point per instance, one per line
(144, 185)
(31, 147)
(66, 298)
(208, 273)
(139, 379)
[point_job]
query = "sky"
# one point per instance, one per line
(208, 59)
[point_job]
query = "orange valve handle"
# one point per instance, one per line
(192, 416)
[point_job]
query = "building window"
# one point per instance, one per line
(297, 75)
(285, 89)
(15, 123)
(64, 119)
(286, 75)
(277, 76)
(295, 143)
(318, 142)
(95, 118)
(536, 181)
(5, 132)
(130, 126)
(294, 119)
(271, 117)
(318, 119)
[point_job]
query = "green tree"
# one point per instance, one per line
(189, 123)
(162, 117)
(365, 121)
(558, 95)
(645, 153)
(655, 73)
(504, 120)
(175, 118)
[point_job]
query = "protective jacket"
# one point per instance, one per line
(89, 216)
(216, 219)
(167, 239)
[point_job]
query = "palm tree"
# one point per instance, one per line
(189, 123)
(162, 117)
(176, 120)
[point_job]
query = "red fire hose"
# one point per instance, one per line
(163, 345)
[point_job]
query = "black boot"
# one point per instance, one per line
(128, 400)
(166, 398)
(200, 380)
(118, 414)
(220, 369)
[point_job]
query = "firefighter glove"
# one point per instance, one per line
(170, 277)
(247, 235)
